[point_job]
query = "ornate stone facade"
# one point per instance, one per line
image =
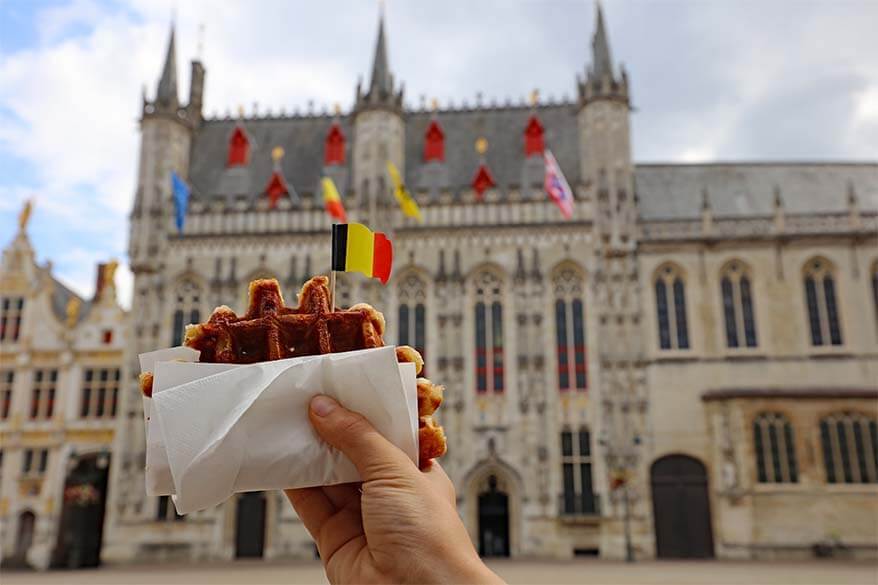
(602, 378)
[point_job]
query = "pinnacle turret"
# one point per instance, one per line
(601, 80)
(166, 95)
(381, 90)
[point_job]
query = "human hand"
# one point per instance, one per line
(400, 525)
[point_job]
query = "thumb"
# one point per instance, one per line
(374, 456)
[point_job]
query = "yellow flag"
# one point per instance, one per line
(406, 202)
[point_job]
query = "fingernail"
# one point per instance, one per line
(323, 405)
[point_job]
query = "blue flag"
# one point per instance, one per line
(181, 198)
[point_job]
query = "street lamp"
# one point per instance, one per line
(621, 456)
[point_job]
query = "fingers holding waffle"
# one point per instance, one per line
(270, 330)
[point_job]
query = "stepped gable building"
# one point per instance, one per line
(680, 369)
(61, 362)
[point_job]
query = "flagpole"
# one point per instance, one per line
(331, 291)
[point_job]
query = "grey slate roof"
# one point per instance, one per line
(666, 191)
(61, 295)
(674, 191)
(303, 139)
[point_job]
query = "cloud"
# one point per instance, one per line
(709, 80)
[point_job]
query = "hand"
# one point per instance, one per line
(400, 525)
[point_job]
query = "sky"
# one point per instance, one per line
(711, 80)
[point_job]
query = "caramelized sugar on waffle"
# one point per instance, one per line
(269, 330)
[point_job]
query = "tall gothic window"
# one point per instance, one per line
(166, 510)
(578, 497)
(820, 297)
(875, 289)
(188, 301)
(7, 378)
(775, 448)
(413, 313)
(850, 448)
(343, 291)
(42, 403)
(489, 333)
(100, 393)
(670, 301)
(737, 298)
(570, 330)
(11, 310)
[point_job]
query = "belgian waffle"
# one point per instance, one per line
(269, 330)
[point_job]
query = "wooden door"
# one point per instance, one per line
(681, 508)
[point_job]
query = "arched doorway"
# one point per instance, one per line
(250, 525)
(82, 518)
(27, 521)
(681, 508)
(493, 521)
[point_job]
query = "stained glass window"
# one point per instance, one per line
(490, 358)
(849, 443)
(774, 445)
(737, 301)
(672, 323)
(570, 330)
(820, 298)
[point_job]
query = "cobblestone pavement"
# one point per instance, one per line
(514, 571)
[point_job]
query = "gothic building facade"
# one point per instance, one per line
(679, 369)
(61, 368)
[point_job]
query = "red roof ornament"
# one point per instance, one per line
(434, 143)
(483, 179)
(333, 150)
(239, 147)
(277, 185)
(534, 143)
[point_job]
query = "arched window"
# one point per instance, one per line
(570, 330)
(670, 302)
(822, 307)
(187, 297)
(413, 313)
(775, 448)
(737, 298)
(850, 448)
(489, 333)
(578, 497)
(875, 289)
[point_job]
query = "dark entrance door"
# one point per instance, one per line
(82, 516)
(493, 521)
(681, 508)
(250, 532)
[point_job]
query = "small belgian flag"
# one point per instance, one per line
(356, 248)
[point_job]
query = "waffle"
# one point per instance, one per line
(269, 330)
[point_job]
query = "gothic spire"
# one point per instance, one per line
(382, 82)
(602, 62)
(381, 90)
(167, 90)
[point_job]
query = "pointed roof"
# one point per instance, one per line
(167, 90)
(602, 62)
(382, 81)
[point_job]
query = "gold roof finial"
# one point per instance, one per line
(241, 111)
(72, 310)
(277, 153)
(110, 273)
(481, 146)
(534, 97)
(337, 109)
(24, 215)
(434, 104)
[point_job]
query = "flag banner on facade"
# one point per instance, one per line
(406, 202)
(557, 187)
(356, 248)
(181, 199)
(332, 200)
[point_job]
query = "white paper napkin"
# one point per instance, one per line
(217, 429)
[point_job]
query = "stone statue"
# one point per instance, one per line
(24, 215)
(73, 306)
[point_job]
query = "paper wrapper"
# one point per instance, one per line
(216, 429)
